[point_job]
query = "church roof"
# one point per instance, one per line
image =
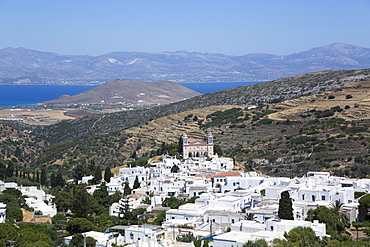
(195, 141)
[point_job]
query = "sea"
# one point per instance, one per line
(23, 95)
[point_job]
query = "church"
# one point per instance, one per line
(196, 148)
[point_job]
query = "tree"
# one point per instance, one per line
(250, 216)
(175, 169)
(299, 236)
(102, 196)
(10, 169)
(136, 183)
(63, 200)
(8, 232)
(53, 180)
(59, 180)
(107, 174)
(327, 216)
(79, 225)
(37, 176)
(43, 179)
(364, 202)
(337, 208)
(83, 204)
(256, 243)
(126, 189)
(97, 176)
(180, 145)
(78, 241)
(79, 171)
(32, 238)
(285, 210)
(172, 202)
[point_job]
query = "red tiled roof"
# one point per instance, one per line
(207, 176)
(225, 174)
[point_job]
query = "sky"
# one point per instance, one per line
(232, 27)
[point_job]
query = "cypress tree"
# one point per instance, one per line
(180, 145)
(126, 189)
(136, 183)
(97, 176)
(43, 179)
(37, 176)
(107, 174)
(59, 180)
(285, 206)
(10, 169)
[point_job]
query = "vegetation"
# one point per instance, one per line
(285, 210)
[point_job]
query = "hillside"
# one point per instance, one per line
(273, 91)
(321, 125)
(24, 66)
(127, 92)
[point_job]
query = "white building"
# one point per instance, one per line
(2, 212)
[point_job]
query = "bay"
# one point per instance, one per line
(22, 95)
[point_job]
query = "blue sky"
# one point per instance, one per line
(233, 27)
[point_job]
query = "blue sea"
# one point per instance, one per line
(19, 95)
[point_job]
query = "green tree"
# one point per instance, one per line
(256, 243)
(136, 183)
(102, 196)
(43, 179)
(32, 238)
(364, 208)
(175, 169)
(83, 204)
(79, 225)
(8, 232)
(97, 176)
(159, 218)
(63, 200)
(285, 210)
(53, 180)
(180, 145)
(126, 189)
(172, 202)
(10, 169)
(59, 180)
(107, 174)
(302, 236)
(337, 208)
(323, 214)
(78, 241)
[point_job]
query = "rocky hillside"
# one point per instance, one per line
(24, 66)
(129, 92)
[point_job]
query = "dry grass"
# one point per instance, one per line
(359, 103)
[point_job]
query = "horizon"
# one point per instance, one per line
(234, 28)
(15, 48)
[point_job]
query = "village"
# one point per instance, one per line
(230, 206)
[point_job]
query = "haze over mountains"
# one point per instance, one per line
(24, 66)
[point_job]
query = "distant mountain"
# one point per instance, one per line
(24, 66)
(129, 92)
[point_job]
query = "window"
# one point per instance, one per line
(232, 221)
(323, 198)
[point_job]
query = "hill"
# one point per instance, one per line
(126, 92)
(316, 121)
(24, 66)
